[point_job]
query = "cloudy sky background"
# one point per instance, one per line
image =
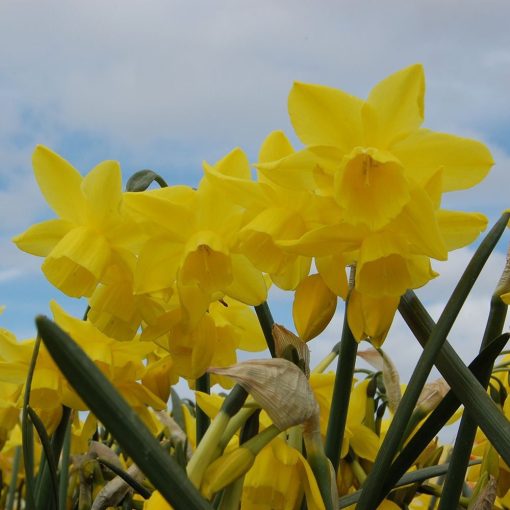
(165, 85)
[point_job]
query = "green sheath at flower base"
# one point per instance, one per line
(207, 448)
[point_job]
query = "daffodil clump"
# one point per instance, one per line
(175, 280)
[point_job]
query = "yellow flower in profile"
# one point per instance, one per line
(278, 480)
(90, 231)
(271, 211)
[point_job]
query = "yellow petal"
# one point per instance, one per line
(464, 162)
(386, 268)
(244, 192)
(364, 441)
(332, 271)
(210, 404)
(234, 164)
(295, 171)
(313, 496)
(324, 241)
(176, 219)
(156, 502)
(13, 372)
(45, 391)
(77, 262)
(206, 262)
(60, 184)
(313, 308)
(460, 228)
(396, 107)
(295, 269)
(41, 238)
(418, 224)
(275, 146)
(102, 189)
(157, 265)
(248, 284)
(325, 116)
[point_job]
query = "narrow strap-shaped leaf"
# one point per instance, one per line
(376, 478)
(462, 382)
(44, 484)
(120, 419)
(461, 453)
(9, 504)
(203, 384)
(441, 414)
(49, 466)
(63, 481)
(136, 486)
(417, 476)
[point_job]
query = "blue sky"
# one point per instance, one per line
(165, 85)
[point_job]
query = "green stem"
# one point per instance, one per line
(203, 384)
(341, 394)
(266, 323)
(459, 461)
(14, 478)
(372, 488)
(27, 431)
(63, 481)
(318, 461)
(231, 495)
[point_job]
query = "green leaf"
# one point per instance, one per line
(372, 488)
(454, 482)
(9, 505)
(49, 466)
(120, 419)
(64, 466)
(136, 486)
(409, 478)
(441, 414)
(27, 432)
(177, 412)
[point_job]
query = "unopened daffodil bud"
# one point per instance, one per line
(226, 469)
(314, 306)
(431, 395)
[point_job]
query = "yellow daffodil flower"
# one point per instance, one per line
(91, 231)
(192, 244)
(272, 212)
